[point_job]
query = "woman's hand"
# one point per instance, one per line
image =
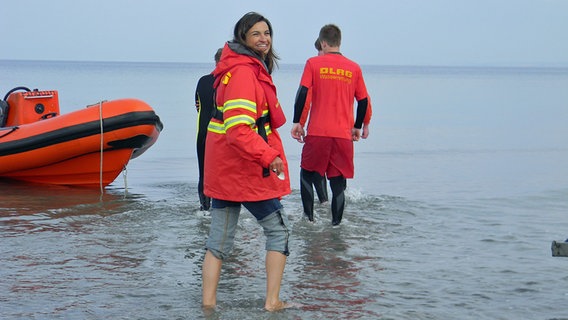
(276, 165)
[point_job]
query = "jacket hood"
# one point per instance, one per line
(236, 54)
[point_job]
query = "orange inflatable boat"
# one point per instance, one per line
(87, 147)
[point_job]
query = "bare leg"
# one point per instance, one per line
(211, 272)
(275, 262)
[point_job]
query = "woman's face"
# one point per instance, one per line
(258, 38)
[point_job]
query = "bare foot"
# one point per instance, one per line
(281, 305)
(208, 307)
(208, 310)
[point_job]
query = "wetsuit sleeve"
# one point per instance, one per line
(369, 113)
(197, 105)
(300, 102)
(361, 110)
(307, 107)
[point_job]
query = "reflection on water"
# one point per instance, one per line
(29, 207)
(21, 198)
(331, 276)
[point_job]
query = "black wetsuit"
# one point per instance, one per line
(205, 104)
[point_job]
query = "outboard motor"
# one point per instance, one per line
(3, 113)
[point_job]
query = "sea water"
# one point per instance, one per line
(458, 193)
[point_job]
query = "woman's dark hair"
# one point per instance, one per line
(243, 26)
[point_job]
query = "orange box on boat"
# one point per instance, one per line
(32, 106)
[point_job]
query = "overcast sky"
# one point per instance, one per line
(376, 32)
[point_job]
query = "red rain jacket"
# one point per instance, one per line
(235, 154)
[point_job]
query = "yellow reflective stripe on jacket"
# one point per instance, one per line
(240, 119)
(267, 128)
(218, 127)
(248, 105)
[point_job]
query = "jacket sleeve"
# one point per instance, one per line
(243, 103)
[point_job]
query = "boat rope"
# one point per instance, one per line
(102, 147)
(124, 174)
(11, 130)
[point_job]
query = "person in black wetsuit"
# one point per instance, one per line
(204, 104)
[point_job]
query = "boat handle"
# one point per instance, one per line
(48, 115)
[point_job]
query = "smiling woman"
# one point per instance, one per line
(243, 148)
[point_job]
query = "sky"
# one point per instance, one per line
(375, 32)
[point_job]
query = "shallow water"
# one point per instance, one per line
(133, 256)
(445, 218)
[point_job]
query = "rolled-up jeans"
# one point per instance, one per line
(225, 216)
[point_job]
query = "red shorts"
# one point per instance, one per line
(330, 156)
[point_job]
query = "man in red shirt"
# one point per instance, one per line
(315, 178)
(335, 82)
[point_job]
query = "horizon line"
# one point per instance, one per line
(433, 66)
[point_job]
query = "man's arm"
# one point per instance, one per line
(299, 103)
(361, 111)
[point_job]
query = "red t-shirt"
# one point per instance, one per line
(336, 82)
